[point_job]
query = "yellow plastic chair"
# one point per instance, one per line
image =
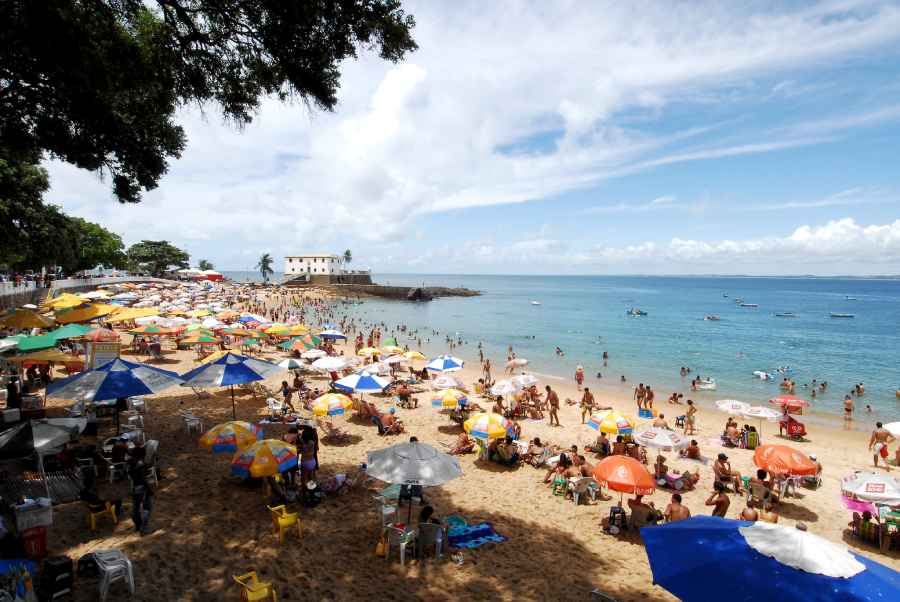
(90, 516)
(254, 590)
(281, 520)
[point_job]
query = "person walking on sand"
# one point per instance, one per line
(579, 377)
(649, 396)
(880, 439)
(553, 401)
(689, 418)
(639, 393)
(587, 404)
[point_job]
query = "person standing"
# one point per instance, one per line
(879, 441)
(649, 396)
(141, 494)
(848, 408)
(487, 372)
(689, 418)
(553, 401)
(587, 404)
(639, 393)
(579, 377)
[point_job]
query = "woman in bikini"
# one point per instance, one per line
(307, 449)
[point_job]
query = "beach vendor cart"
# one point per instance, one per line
(791, 406)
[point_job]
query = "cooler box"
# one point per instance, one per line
(32, 516)
(35, 542)
(647, 413)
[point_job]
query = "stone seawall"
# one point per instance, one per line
(399, 292)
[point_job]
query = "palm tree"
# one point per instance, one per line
(265, 266)
(347, 257)
(205, 265)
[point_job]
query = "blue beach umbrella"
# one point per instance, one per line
(683, 555)
(362, 382)
(327, 325)
(116, 379)
(445, 363)
(229, 370)
(331, 334)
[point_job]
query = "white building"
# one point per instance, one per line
(312, 265)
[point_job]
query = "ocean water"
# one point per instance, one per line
(585, 316)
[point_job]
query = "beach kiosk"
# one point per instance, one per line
(791, 406)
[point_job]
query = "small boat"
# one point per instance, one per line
(736, 301)
(834, 315)
(636, 312)
(749, 305)
(725, 295)
(849, 298)
(784, 314)
(711, 318)
(535, 303)
(706, 384)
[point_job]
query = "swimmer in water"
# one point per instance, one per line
(623, 378)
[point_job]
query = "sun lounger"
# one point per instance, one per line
(335, 433)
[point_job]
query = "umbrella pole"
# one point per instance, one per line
(233, 412)
(44, 477)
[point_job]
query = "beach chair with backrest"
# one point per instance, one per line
(200, 392)
(276, 406)
(113, 565)
(757, 494)
(189, 420)
(281, 520)
(580, 487)
(335, 433)
(816, 480)
(384, 430)
(373, 411)
(483, 453)
(384, 510)
(398, 538)
(865, 530)
(92, 512)
(429, 534)
(252, 589)
(505, 457)
(360, 479)
(725, 479)
(642, 517)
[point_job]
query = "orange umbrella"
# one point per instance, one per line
(102, 334)
(625, 475)
(782, 459)
(790, 400)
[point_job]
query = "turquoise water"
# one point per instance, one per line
(651, 349)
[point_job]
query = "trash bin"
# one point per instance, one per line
(35, 542)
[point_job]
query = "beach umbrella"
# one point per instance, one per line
(764, 561)
(229, 370)
(113, 380)
(660, 439)
(39, 436)
(331, 404)
(874, 487)
(517, 362)
(449, 397)
(231, 436)
(414, 355)
(893, 428)
(150, 329)
(70, 331)
(26, 319)
(331, 334)
(256, 334)
(65, 301)
(49, 356)
(84, 313)
(238, 332)
(413, 463)
(392, 349)
(199, 313)
(625, 475)
(506, 387)
(781, 459)
(733, 406)
(104, 335)
(133, 313)
(611, 422)
(760, 413)
(264, 458)
(445, 363)
(297, 345)
(395, 359)
(200, 339)
(789, 400)
(8, 343)
(299, 328)
(29, 344)
(446, 381)
(276, 329)
(526, 380)
(486, 425)
(362, 382)
(291, 364)
(390, 341)
(313, 353)
(369, 351)
(329, 364)
(327, 325)
(378, 368)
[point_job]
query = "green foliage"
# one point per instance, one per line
(22, 213)
(265, 265)
(97, 83)
(156, 256)
(97, 246)
(205, 265)
(347, 257)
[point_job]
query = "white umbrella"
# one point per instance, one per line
(802, 550)
(526, 380)
(506, 387)
(874, 487)
(377, 368)
(760, 413)
(313, 353)
(446, 382)
(517, 362)
(893, 428)
(291, 364)
(661, 439)
(329, 364)
(733, 406)
(395, 359)
(413, 463)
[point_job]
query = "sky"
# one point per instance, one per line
(758, 138)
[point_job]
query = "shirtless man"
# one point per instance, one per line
(760, 479)
(675, 511)
(733, 435)
(689, 418)
(660, 422)
(638, 502)
(639, 393)
(618, 448)
(719, 500)
(553, 401)
(498, 406)
(487, 371)
(388, 419)
(464, 444)
(749, 514)
(880, 439)
(848, 408)
(723, 466)
(587, 404)
(649, 396)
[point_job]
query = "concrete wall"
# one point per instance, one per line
(329, 279)
(11, 296)
(396, 292)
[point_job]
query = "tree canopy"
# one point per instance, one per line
(156, 256)
(205, 265)
(97, 83)
(265, 265)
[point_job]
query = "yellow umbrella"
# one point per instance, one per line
(414, 355)
(227, 314)
(65, 301)
(199, 312)
(331, 404)
(368, 351)
(216, 355)
(299, 328)
(275, 329)
(27, 319)
(176, 312)
(393, 349)
(45, 357)
(134, 312)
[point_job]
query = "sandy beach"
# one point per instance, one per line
(208, 526)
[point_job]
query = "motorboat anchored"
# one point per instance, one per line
(785, 314)
(834, 315)
(749, 305)
(535, 303)
(711, 318)
(637, 312)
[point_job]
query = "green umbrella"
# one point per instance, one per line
(27, 344)
(70, 331)
(389, 342)
(297, 344)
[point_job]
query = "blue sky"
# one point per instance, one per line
(574, 137)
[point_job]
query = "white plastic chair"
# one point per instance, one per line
(398, 538)
(87, 463)
(275, 406)
(189, 421)
(580, 487)
(138, 404)
(430, 534)
(383, 509)
(113, 565)
(115, 468)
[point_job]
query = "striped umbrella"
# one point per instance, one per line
(369, 351)
(331, 334)
(200, 339)
(392, 349)
(291, 364)
(331, 404)
(116, 379)
(264, 459)
(445, 363)
(611, 422)
(231, 436)
(238, 332)
(297, 345)
(449, 397)
(229, 370)
(488, 426)
(362, 382)
(414, 355)
(150, 329)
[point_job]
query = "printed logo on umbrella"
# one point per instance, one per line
(622, 472)
(852, 477)
(874, 487)
(647, 435)
(797, 458)
(261, 459)
(667, 448)
(768, 452)
(674, 437)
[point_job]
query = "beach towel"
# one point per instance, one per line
(715, 443)
(392, 492)
(857, 506)
(703, 460)
(532, 420)
(476, 536)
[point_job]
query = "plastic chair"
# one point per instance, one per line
(383, 509)
(113, 565)
(189, 420)
(87, 463)
(276, 406)
(398, 538)
(559, 485)
(580, 487)
(725, 480)
(642, 517)
(254, 590)
(757, 493)
(90, 516)
(115, 468)
(430, 534)
(281, 520)
(137, 404)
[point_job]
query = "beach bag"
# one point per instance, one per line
(381, 548)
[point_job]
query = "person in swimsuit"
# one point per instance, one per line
(288, 393)
(587, 404)
(553, 400)
(307, 450)
(639, 393)
(579, 376)
(719, 500)
(292, 437)
(879, 443)
(689, 418)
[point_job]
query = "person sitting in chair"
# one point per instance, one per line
(464, 444)
(619, 448)
(390, 419)
(90, 495)
(760, 479)
(603, 444)
(638, 502)
(660, 470)
(723, 467)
